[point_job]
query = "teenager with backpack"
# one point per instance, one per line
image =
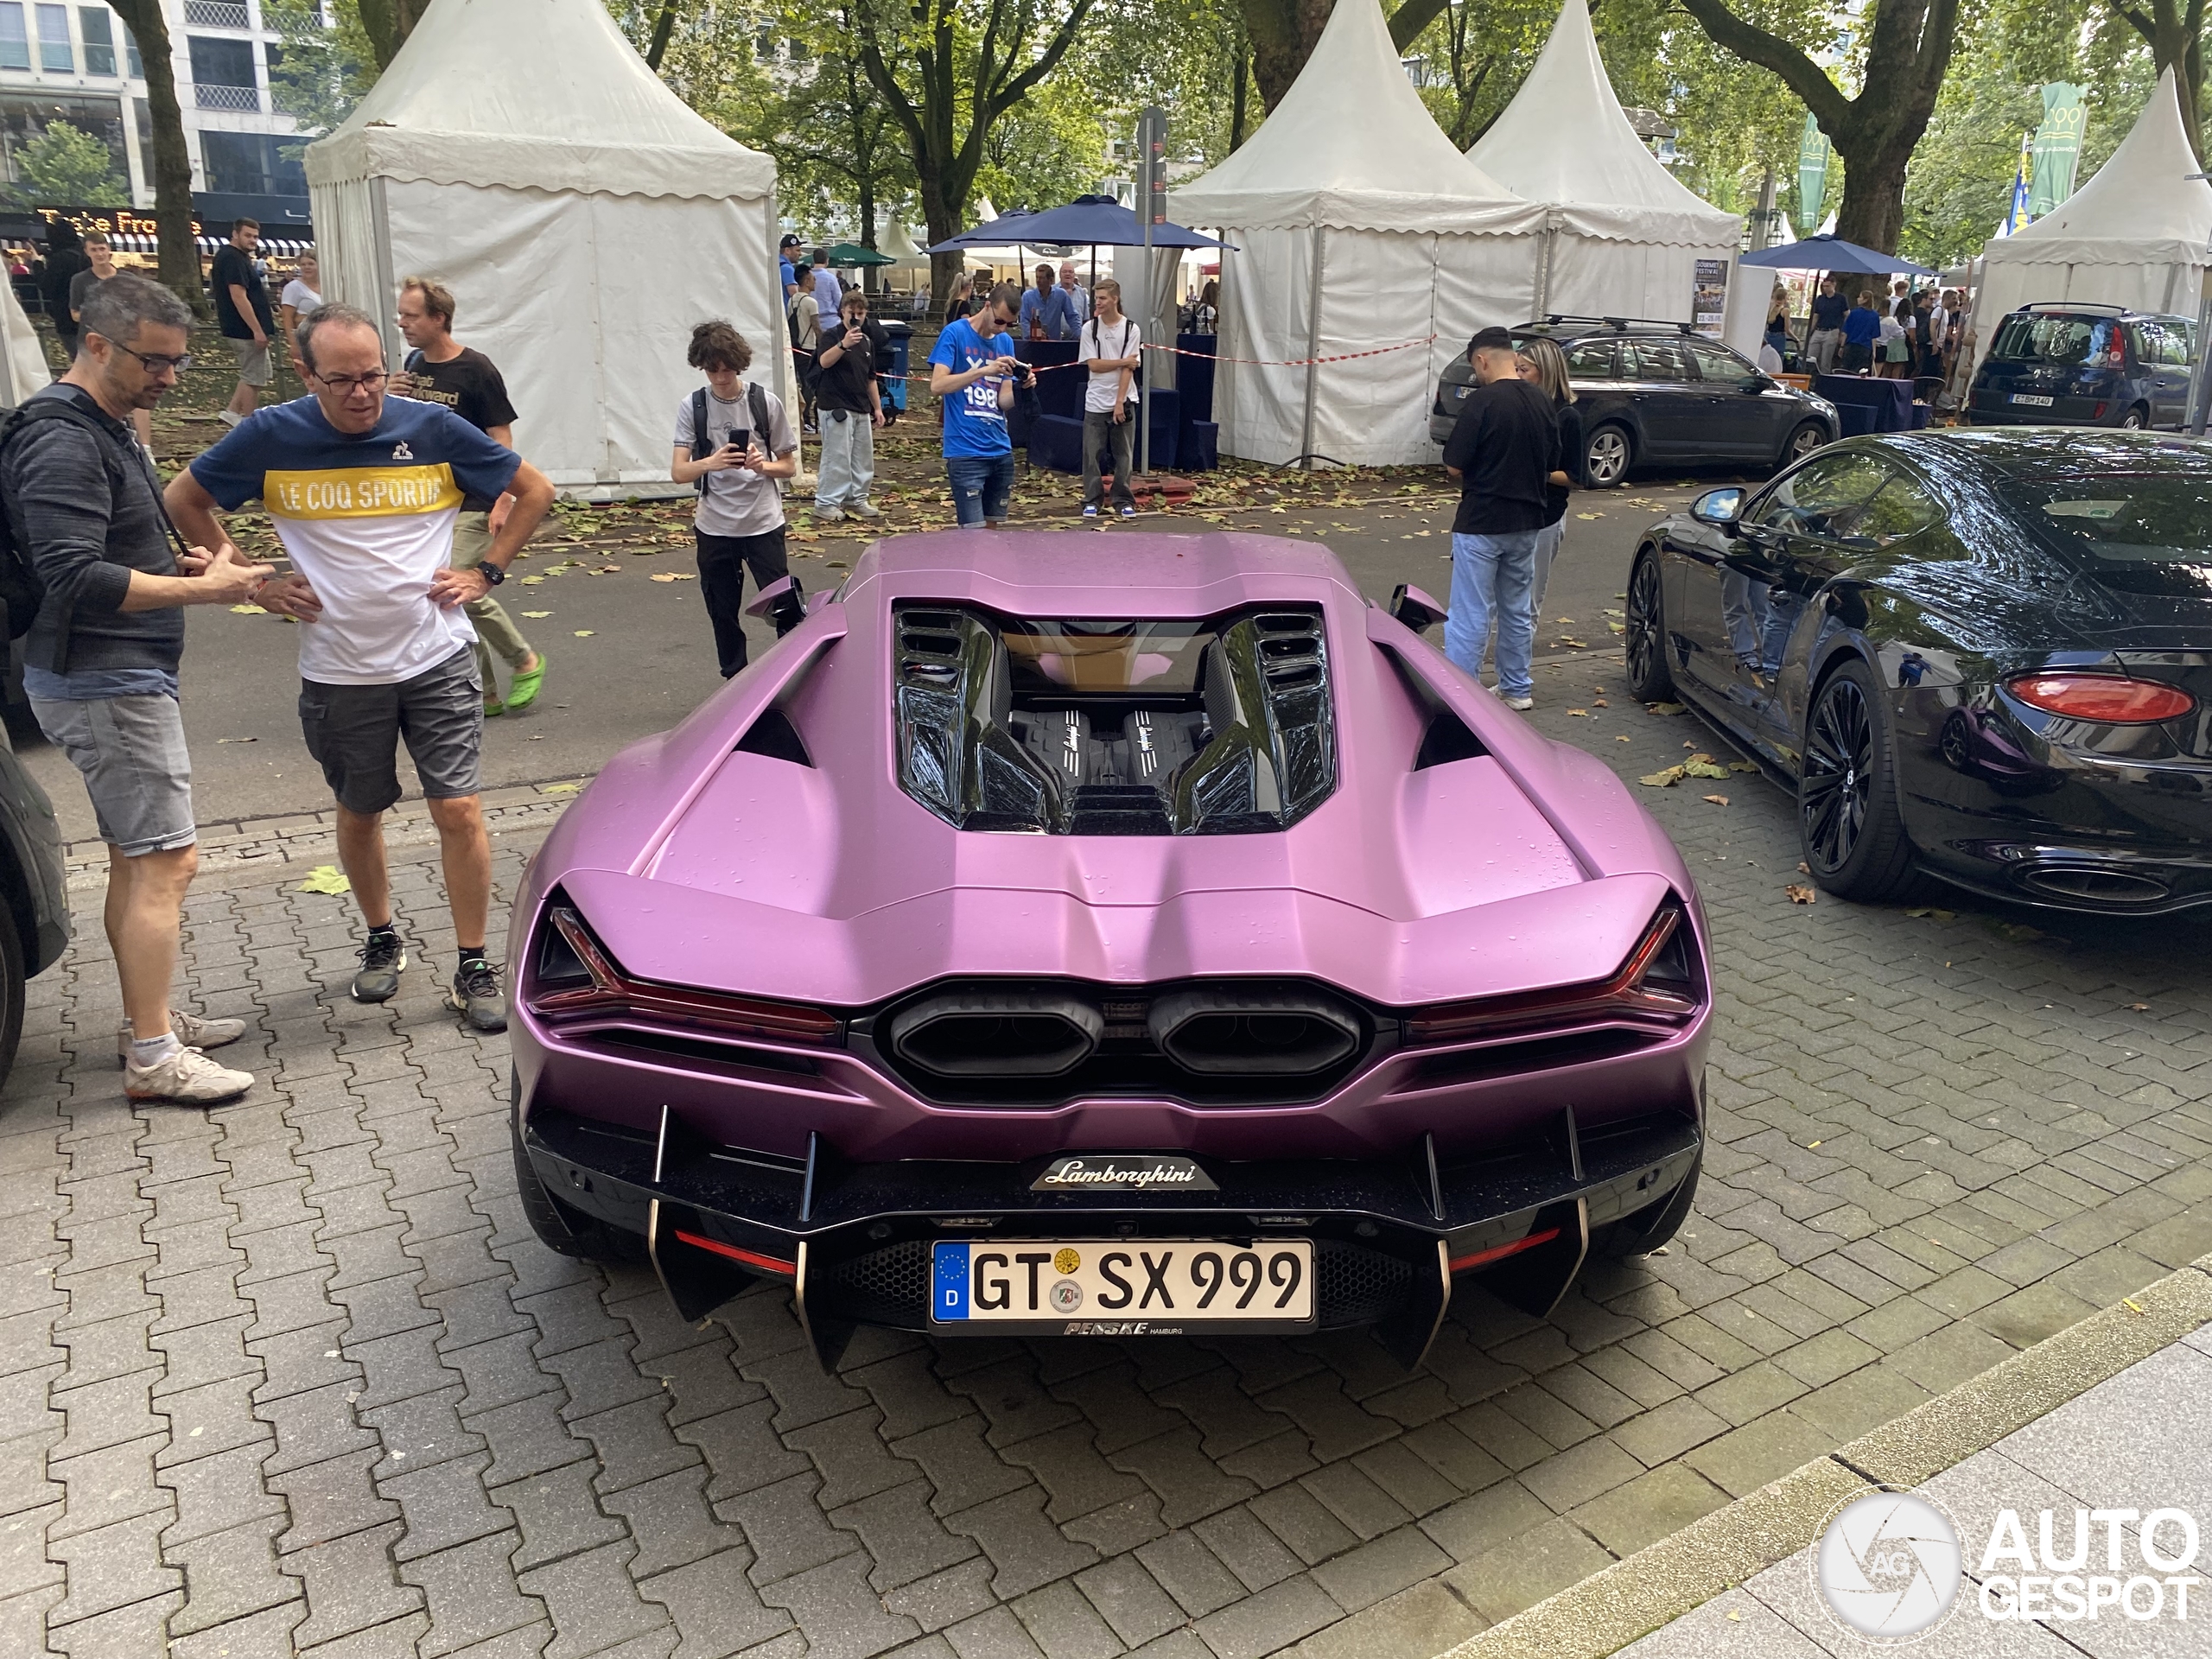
(1109, 348)
(734, 445)
(95, 580)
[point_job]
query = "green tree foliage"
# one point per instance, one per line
(64, 167)
(325, 69)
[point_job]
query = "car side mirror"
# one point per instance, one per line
(1757, 383)
(1719, 508)
(1416, 608)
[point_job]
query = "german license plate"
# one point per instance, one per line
(1121, 1287)
(2032, 398)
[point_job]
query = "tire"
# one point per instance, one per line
(11, 992)
(1648, 1228)
(1643, 635)
(1848, 822)
(1607, 454)
(560, 1228)
(1807, 436)
(2136, 419)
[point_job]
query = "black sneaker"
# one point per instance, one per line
(476, 993)
(382, 960)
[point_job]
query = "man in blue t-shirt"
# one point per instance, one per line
(1862, 326)
(972, 371)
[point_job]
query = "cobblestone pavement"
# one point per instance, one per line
(292, 1376)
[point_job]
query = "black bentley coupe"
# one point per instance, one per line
(1982, 655)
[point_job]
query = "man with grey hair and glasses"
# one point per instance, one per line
(100, 658)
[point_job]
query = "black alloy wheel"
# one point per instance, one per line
(11, 993)
(1807, 437)
(1606, 456)
(1847, 818)
(1643, 635)
(562, 1227)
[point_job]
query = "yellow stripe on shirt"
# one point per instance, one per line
(360, 491)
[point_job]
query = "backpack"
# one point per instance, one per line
(21, 592)
(756, 403)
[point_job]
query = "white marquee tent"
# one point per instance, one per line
(520, 152)
(1622, 234)
(22, 359)
(1356, 225)
(2135, 235)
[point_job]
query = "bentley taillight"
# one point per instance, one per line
(572, 977)
(2108, 699)
(1656, 984)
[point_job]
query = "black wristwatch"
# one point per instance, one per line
(494, 574)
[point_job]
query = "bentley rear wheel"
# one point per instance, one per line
(1848, 821)
(1643, 635)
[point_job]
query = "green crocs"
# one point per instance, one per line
(522, 690)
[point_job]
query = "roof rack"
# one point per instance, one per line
(1622, 323)
(2046, 307)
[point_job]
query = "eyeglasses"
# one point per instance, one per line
(346, 384)
(154, 362)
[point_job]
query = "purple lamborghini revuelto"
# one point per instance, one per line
(1058, 934)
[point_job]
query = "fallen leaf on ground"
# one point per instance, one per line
(1623, 740)
(1742, 765)
(1665, 779)
(1582, 714)
(1600, 704)
(585, 633)
(1572, 645)
(1665, 708)
(1804, 868)
(1717, 800)
(2019, 933)
(237, 740)
(558, 789)
(248, 610)
(1800, 894)
(1930, 912)
(326, 878)
(2140, 1007)
(537, 615)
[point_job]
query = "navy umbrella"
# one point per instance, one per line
(1833, 253)
(1088, 221)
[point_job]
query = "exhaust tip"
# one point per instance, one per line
(984, 1035)
(1285, 1034)
(2090, 884)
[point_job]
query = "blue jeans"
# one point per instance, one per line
(980, 485)
(1493, 577)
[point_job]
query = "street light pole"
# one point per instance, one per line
(1152, 210)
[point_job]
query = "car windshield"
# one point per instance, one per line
(2032, 338)
(2146, 532)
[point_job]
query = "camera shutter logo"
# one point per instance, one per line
(1888, 1565)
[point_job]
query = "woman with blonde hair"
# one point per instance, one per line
(1544, 365)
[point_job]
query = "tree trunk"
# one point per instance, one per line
(1283, 34)
(388, 23)
(1236, 103)
(179, 267)
(663, 27)
(2174, 30)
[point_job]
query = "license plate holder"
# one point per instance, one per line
(2034, 400)
(1122, 1287)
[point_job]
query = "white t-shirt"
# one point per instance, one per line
(301, 298)
(738, 501)
(1770, 359)
(1108, 340)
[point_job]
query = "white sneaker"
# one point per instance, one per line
(228, 417)
(829, 515)
(186, 1076)
(865, 509)
(189, 1029)
(1523, 705)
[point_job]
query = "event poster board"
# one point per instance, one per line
(1709, 296)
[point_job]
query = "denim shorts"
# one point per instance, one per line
(980, 485)
(354, 733)
(132, 754)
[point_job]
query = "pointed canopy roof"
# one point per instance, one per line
(2142, 207)
(534, 94)
(1565, 141)
(1351, 146)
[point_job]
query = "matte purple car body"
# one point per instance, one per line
(818, 883)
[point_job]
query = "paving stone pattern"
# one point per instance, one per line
(292, 1376)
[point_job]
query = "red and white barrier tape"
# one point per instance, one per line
(1178, 351)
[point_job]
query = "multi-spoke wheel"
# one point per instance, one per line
(1847, 817)
(1606, 456)
(1809, 436)
(1644, 632)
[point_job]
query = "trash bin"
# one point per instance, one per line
(902, 336)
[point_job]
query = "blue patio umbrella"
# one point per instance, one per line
(1088, 221)
(1833, 253)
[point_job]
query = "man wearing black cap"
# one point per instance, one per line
(784, 251)
(1503, 451)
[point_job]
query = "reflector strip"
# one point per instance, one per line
(751, 1258)
(1461, 1263)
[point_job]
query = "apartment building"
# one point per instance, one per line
(77, 63)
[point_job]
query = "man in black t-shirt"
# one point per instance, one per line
(1503, 451)
(440, 370)
(242, 313)
(850, 406)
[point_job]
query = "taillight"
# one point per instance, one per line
(572, 977)
(2108, 699)
(1658, 982)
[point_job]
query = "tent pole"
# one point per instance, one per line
(385, 308)
(1545, 247)
(1313, 347)
(787, 368)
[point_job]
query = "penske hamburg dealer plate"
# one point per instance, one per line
(1123, 1286)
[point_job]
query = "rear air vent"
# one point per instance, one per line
(987, 1035)
(1446, 740)
(772, 734)
(1253, 1033)
(1290, 649)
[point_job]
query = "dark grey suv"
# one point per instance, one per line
(1657, 392)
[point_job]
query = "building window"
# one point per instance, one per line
(14, 39)
(55, 55)
(250, 164)
(132, 66)
(25, 116)
(92, 22)
(222, 74)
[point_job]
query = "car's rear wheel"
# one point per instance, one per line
(1606, 455)
(1848, 820)
(1643, 635)
(2136, 418)
(1809, 436)
(562, 1227)
(1648, 1228)
(11, 993)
